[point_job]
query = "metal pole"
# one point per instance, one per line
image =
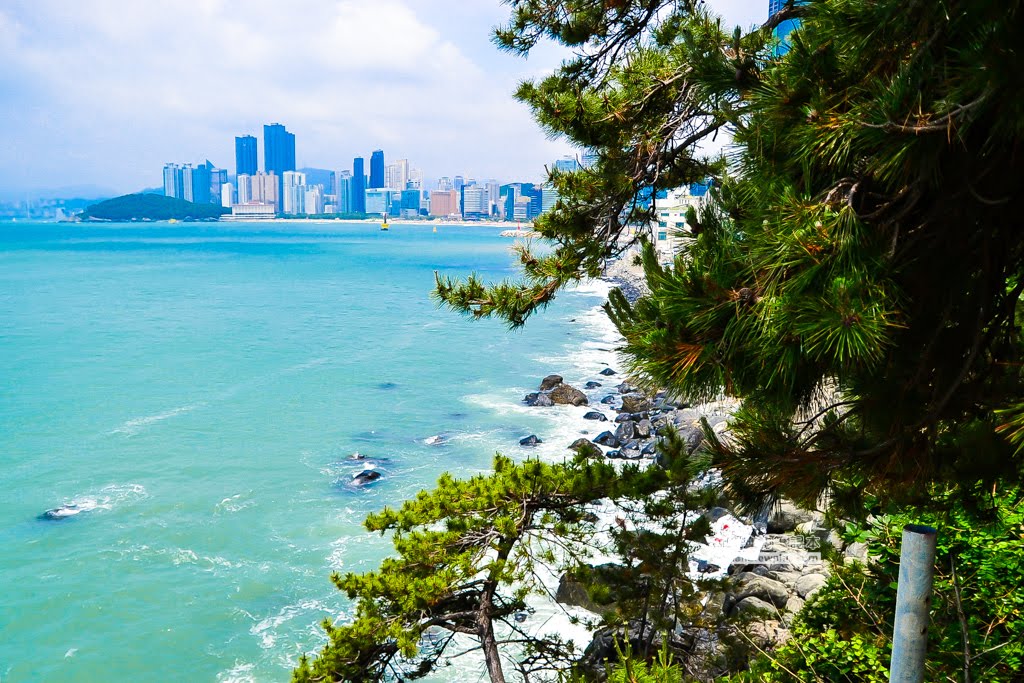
(913, 600)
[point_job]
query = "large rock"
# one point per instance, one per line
(763, 588)
(586, 448)
(608, 400)
(788, 516)
(643, 429)
(531, 440)
(625, 431)
(753, 606)
(543, 401)
(626, 388)
(607, 372)
(768, 634)
(550, 382)
(564, 394)
(591, 385)
(607, 439)
(635, 403)
(594, 415)
(809, 584)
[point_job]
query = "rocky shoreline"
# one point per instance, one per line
(768, 566)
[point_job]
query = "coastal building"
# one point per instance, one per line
(549, 197)
(396, 175)
(343, 201)
(410, 203)
(783, 30)
(474, 202)
(201, 181)
(218, 176)
(445, 184)
(567, 165)
(264, 189)
(666, 231)
(186, 183)
(227, 195)
(589, 158)
(253, 210)
(244, 185)
(173, 180)
(358, 204)
(415, 181)
(521, 212)
(278, 151)
(245, 155)
(376, 170)
(444, 204)
(293, 194)
(313, 201)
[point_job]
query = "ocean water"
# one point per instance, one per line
(196, 391)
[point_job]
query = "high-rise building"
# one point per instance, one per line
(445, 184)
(783, 30)
(173, 180)
(415, 181)
(358, 186)
(549, 197)
(186, 183)
(201, 181)
(396, 175)
(444, 203)
(567, 165)
(344, 193)
(227, 195)
(244, 183)
(313, 202)
(278, 152)
(376, 169)
(218, 176)
(265, 190)
(378, 200)
(458, 183)
(245, 155)
(410, 203)
(293, 197)
(474, 202)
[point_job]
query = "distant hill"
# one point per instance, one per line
(153, 207)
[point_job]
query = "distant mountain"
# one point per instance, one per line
(154, 207)
(318, 176)
(83, 191)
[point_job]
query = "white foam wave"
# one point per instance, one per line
(136, 425)
(241, 672)
(267, 630)
(235, 503)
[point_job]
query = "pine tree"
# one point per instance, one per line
(855, 279)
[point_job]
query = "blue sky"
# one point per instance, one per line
(104, 92)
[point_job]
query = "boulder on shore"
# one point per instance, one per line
(594, 415)
(586, 448)
(591, 385)
(563, 394)
(550, 382)
(606, 439)
(635, 403)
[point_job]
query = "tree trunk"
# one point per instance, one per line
(487, 640)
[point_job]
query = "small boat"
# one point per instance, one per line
(384, 223)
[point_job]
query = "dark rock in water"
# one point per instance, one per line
(586, 448)
(387, 385)
(594, 415)
(564, 394)
(591, 385)
(625, 431)
(607, 372)
(458, 416)
(626, 388)
(550, 382)
(606, 439)
(531, 440)
(540, 400)
(635, 403)
(643, 428)
(623, 417)
(364, 477)
(613, 455)
(608, 400)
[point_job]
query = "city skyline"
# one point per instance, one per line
(101, 93)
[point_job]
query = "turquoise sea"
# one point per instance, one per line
(196, 391)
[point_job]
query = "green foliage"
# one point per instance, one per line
(154, 207)
(856, 275)
(845, 632)
(467, 556)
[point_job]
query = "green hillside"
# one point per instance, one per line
(153, 207)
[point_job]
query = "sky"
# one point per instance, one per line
(97, 95)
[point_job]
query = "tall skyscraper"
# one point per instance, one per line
(294, 197)
(358, 186)
(278, 152)
(396, 175)
(377, 169)
(245, 155)
(567, 165)
(173, 180)
(344, 199)
(201, 182)
(186, 184)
